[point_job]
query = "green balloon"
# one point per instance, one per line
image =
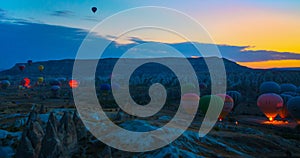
(204, 102)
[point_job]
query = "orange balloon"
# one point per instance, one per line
(270, 104)
(73, 83)
(228, 105)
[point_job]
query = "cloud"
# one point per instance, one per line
(62, 13)
(23, 39)
(91, 18)
(2, 12)
(238, 53)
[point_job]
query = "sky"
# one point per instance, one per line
(254, 33)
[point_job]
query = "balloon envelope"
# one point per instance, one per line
(40, 80)
(228, 105)
(293, 106)
(55, 88)
(25, 82)
(55, 82)
(105, 87)
(283, 112)
(236, 96)
(190, 102)
(22, 67)
(287, 87)
(73, 83)
(41, 67)
(29, 62)
(206, 100)
(5, 84)
(94, 9)
(269, 87)
(270, 104)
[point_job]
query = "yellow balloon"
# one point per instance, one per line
(41, 67)
(40, 80)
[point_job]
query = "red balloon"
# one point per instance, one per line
(228, 105)
(73, 83)
(270, 104)
(21, 67)
(25, 82)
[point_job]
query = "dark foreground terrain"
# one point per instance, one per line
(36, 123)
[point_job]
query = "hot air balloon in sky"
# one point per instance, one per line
(228, 105)
(190, 102)
(293, 106)
(270, 104)
(73, 83)
(94, 9)
(269, 87)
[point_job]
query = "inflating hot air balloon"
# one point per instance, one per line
(269, 87)
(41, 68)
(5, 84)
(293, 106)
(215, 100)
(287, 87)
(105, 87)
(29, 62)
(55, 88)
(190, 102)
(236, 96)
(94, 9)
(283, 112)
(270, 104)
(62, 79)
(25, 82)
(55, 82)
(40, 80)
(73, 83)
(22, 67)
(228, 105)
(293, 94)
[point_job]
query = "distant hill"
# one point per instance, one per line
(63, 68)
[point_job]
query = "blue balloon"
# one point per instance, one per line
(269, 87)
(105, 87)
